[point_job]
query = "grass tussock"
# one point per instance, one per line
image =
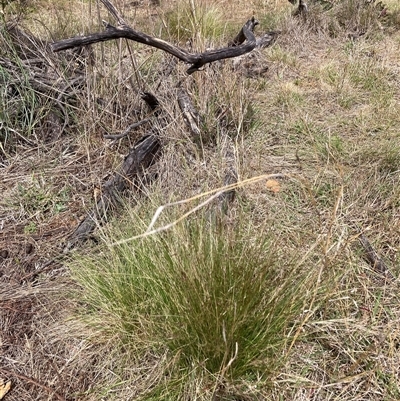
(20, 105)
(194, 21)
(219, 301)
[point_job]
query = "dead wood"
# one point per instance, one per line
(190, 114)
(267, 39)
(140, 157)
(244, 43)
(127, 130)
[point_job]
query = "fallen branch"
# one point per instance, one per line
(141, 156)
(244, 43)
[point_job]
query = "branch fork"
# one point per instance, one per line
(243, 43)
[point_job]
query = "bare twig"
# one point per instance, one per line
(127, 131)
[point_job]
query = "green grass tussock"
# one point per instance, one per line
(17, 97)
(218, 299)
(194, 21)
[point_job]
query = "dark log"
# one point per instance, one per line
(141, 156)
(196, 60)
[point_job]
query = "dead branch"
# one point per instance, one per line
(190, 114)
(244, 42)
(127, 130)
(141, 156)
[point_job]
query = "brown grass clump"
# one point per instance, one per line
(322, 111)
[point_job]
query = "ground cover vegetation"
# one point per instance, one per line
(286, 291)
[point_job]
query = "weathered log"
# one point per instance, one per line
(196, 60)
(190, 114)
(140, 157)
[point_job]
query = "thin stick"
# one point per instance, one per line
(33, 381)
(112, 10)
(215, 193)
(127, 131)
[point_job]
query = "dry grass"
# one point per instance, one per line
(326, 112)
